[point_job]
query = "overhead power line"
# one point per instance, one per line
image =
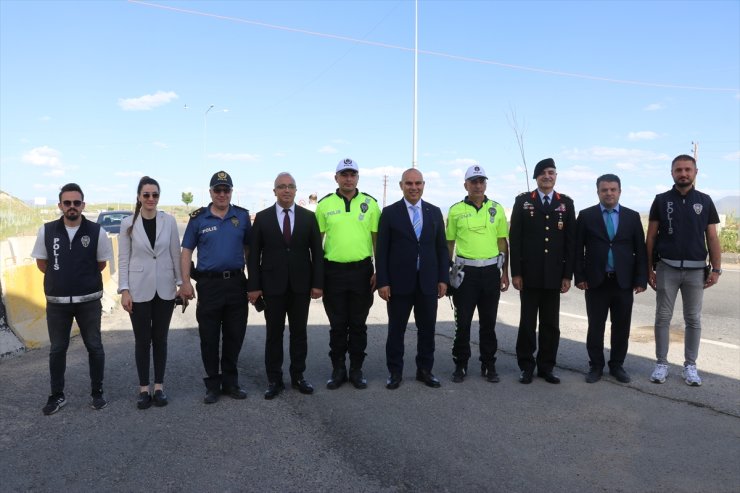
(439, 54)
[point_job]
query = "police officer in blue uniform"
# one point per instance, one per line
(221, 233)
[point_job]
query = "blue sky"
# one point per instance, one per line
(103, 92)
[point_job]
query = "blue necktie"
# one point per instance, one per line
(547, 201)
(610, 232)
(416, 221)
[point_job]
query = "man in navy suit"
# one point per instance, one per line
(611, 262)
(412, 271)
(286, 268)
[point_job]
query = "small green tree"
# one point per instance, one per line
(187, 198)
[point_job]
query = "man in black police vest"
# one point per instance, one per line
(71, 252)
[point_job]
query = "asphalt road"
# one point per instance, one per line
(473, 436)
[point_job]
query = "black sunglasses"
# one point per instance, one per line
(69, 203)
(218, 190)
(154, 195)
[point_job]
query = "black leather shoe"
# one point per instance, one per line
(526, 376)
(459, 374)
(548, 376)
(489, 372)
(144, 401)
(338, 377)
(394, 381)
(303, 385)
(160, 398)
(594, 374)
(273, 389)
(211, 397)
(235, 393)
(357, 379)
(428, 379)
(621, 375)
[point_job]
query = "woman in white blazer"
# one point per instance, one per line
(148, 276)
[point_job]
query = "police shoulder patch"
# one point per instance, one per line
(196, 212)
(326, 196)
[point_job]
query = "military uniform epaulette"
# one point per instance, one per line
(195, 213)
(326, 196)
(240, 208)
(563, 195)
(523, 194)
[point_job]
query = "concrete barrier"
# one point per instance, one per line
(23, 292)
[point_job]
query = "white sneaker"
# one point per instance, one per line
(660, 373)
(691, 376)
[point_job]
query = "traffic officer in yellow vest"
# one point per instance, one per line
(348, 221)
(477, 234)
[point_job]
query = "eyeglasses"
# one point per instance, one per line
(147, 195)
(69, 203)
(220, 190)
(285, 187)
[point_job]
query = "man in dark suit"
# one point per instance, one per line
(286, 263)
(611, 262)
(412, 265)
(542, 243)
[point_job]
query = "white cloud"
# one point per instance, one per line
(654, 107)
(161, 145)
(45, 118)
(642, 135)
(626, 166)
(227, 156)
(733, 156)
(328, 150)
(46, 157)
(147, 101)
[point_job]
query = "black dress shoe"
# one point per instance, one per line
(621, 375)
(594, 374)
(428, 379)
(489, 372)
(211, 397)
(303, 385)
(273, 389)
(526, 376)
(394, 381)
(357, 379)
(235, 393)
(160, 398)
(144, 401)
(338, 377)
(548, 376)
(459, 374)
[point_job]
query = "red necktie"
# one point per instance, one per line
(286, 226)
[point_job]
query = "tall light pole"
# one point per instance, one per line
(416, 72)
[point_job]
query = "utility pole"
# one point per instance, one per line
(385, 187)
(695, 146)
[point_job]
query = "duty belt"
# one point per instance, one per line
(226, 274)
(684, 264)
(75, 299)
(484, 262)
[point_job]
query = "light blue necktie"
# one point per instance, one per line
(610, 232)
(416, 221)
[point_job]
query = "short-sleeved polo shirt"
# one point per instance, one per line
(219, 242)
(348, 226)
(476, 231)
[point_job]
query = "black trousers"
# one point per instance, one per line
(59, 318)
(347, 301)
(295, 306)
(222, 320)
(546, 302)
(425, 314)
(151, 323)
(617, 302)
(481, 288)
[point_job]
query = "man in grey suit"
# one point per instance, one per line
(611, 262)
(286, 270)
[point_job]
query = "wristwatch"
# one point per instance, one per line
(717, 271)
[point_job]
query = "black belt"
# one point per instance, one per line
(611, 275)
(348, 265)
(225, 274)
